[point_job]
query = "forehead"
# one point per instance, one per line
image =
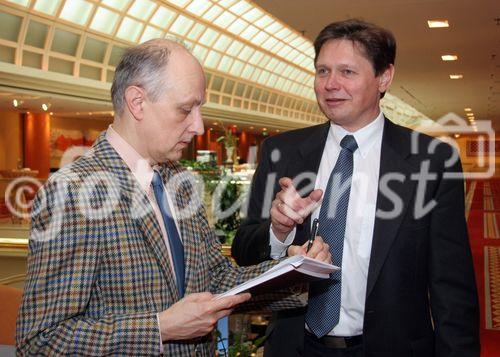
(342, 49)
(184, 75)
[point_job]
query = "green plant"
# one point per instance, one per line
(230, 224)
(228, 139)
(240, 347)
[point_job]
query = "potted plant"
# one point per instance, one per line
(230, 141)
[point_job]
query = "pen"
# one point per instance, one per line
(314, 232)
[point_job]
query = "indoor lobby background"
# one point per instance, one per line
(57, 60)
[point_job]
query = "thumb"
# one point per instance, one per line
(316, 195)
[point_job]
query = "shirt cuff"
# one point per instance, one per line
(278, 248)
(159, 330)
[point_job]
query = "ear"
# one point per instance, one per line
(135, 98)
(385, 79)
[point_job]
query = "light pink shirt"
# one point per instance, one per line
(143, 173)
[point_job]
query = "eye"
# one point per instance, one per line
(321, 71)
(348, 72)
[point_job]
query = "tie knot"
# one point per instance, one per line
(348, 142)
(156, 179)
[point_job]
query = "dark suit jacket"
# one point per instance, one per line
(421, 295)
(98, 271)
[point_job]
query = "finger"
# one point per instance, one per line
(316, 247)
(296, 250)
(278, 218)
(316, 195)
(290, 212)
(285, 182)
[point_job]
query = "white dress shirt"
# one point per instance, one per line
(360, 219)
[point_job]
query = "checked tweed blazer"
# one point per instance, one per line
(98, 268)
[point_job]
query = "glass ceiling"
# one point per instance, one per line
(231, 36)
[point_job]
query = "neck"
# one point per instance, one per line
(127, 130)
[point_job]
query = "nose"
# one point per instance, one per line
(197, 126)
(332, 82)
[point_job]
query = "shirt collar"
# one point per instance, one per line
(365, 137)
(141, 169)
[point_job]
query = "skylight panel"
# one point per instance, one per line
(227, 3)
(274, 27)
(213, 13)
(180, 3)
(212, 59)
(297, 41)
(249, 32)
(208, 38)
(225, 63)
(287, 71)
(270, 43)
(272, 64)
(76, 11)
(20, 2)
(256, 75)
(181, 25)
(142, 9)
(240, 7)
(264, 77)
(283, 33)
(238, 26)
(151, 32)
(222, 43)
(264, 21)
(225, 19)
(246, 53)
(200, 52)
(235, 48)
(129, 29)
(104, 20)
(236, 68)
(116, 4)
(163, 17)
(260, 38)
(253, 15)
(198, 7)
(256, 57)
(196, 31)
(285, 51)
(47, 6)
(247, 71)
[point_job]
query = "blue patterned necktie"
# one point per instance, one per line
(174, 240)
(324, 296)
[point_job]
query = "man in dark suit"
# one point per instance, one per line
(121, 259)
(390, 203)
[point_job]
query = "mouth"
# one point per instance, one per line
(332, 102)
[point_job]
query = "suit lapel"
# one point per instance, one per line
(139, 207)
(310, 151)
(393, 161)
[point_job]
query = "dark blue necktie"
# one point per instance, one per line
(174, 240)
(324, 296)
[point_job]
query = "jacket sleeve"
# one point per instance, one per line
(251, 243)
(452, 291)
(63, 263)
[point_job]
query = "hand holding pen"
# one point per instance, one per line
(314, 233)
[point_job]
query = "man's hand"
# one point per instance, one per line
(289, 209)
(319, 250)
(196, 315)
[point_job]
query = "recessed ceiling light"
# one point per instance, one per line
(437, 23)
(457, 136)
(251, 127)
(468, 109)
(449, 57)
(469, 114)
(264, 129)
(215, 124)
(51, 113)
(15, 103)
(456, 76)
(45, 107)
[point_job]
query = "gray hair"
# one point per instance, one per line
(140, 66)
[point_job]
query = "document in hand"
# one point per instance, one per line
(294, 270)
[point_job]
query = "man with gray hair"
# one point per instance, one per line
(122, 260)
